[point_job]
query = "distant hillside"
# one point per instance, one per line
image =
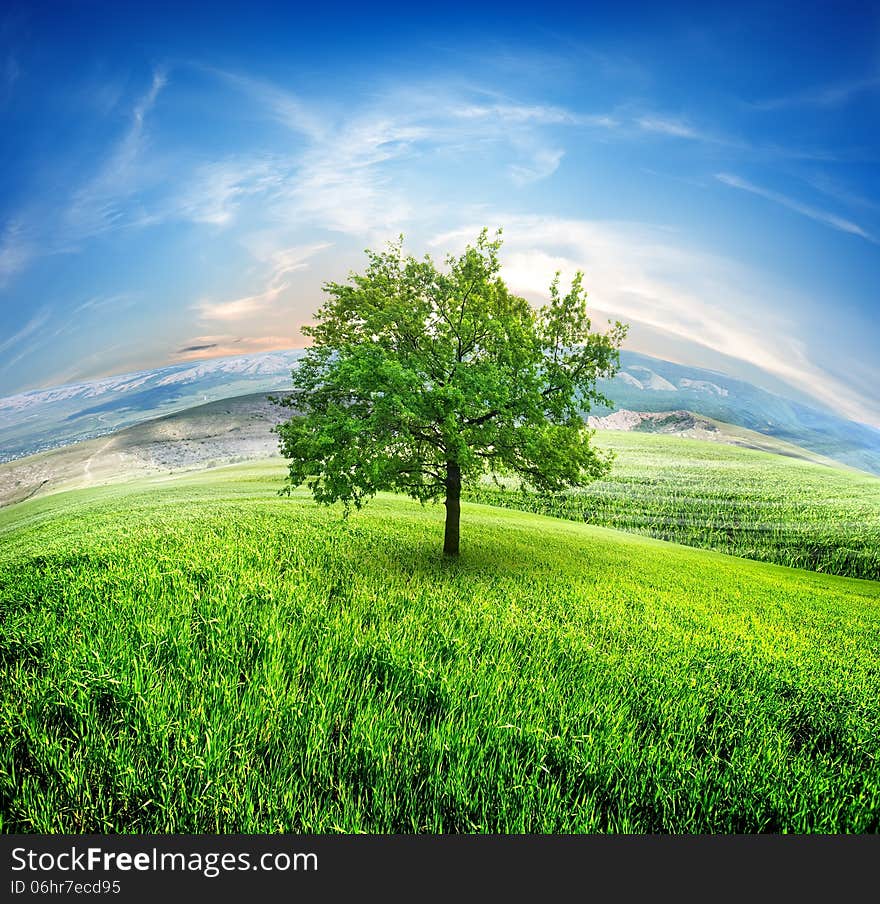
(45, 419)
(222, 432)
(48, 418)
(694, 426)
(649, 384)
(240, 429)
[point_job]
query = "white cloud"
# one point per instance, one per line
(103, 202)
(281, 262)
(16, 251)
(100, 204)
(341, 183)
(36, 323)
(822, 96)
(684, 129)
(117, 302)
(339, 173)
(521, 114)
(517, 125)
(544, 163)
(349, 174)
(240, 308)
(840, 192)
(342, 179)
(31, 337)
(672, 127)
(217, 190)
(639, 273)
(820, 216)
(285, 106)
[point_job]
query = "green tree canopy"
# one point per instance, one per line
(420, 378)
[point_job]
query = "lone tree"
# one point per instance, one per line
(419, 379)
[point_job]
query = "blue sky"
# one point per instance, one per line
(177, 181)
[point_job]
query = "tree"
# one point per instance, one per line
(420, 379)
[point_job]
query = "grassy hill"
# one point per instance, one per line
(718, 491)
(44, 419)
(51, 418)
(196, 654)
(649, 384)
(231, 430)
(741, 501)
(220, 432)
(688, 425)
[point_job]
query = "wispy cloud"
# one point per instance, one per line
(338, 173)
(57, 225)
(16, 250)
(366, 170)
(339, 180)
(538, 114)
(517, 121)
(335, 174)
(675, 128)
(813, 213)
(343, 185)
(99, 204)
(229, 344)
(544, 163)
(50, 324)
(280, 263)
(34, 325)
(735, 146)
(240, 308)
(842, 193)
(117, 302)
(641, 274)
(33, 336)
(217, 189)
(833, 95)
(519, 124)
(284, 106)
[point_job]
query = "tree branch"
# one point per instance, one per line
(482, 419)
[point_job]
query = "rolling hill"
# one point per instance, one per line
(676, 476)
(239, 429)
(46, 419)
(649, 384)
(229, 430)
(743, 501)
(196, 654)
(50, 418)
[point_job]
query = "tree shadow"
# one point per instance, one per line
(481, 556)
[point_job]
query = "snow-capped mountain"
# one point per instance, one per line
(267, 365)
(46, 418)
(646, 384)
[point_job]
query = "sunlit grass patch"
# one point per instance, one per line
(200, 655)
(737, 501)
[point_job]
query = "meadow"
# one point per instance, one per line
(743, 502)
(197, 654)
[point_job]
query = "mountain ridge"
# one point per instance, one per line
(674, 387)
(238, 429)
(38, 420)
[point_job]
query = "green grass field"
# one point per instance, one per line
(200, 655)
(743, 502)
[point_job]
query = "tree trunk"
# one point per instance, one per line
(453, 508)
